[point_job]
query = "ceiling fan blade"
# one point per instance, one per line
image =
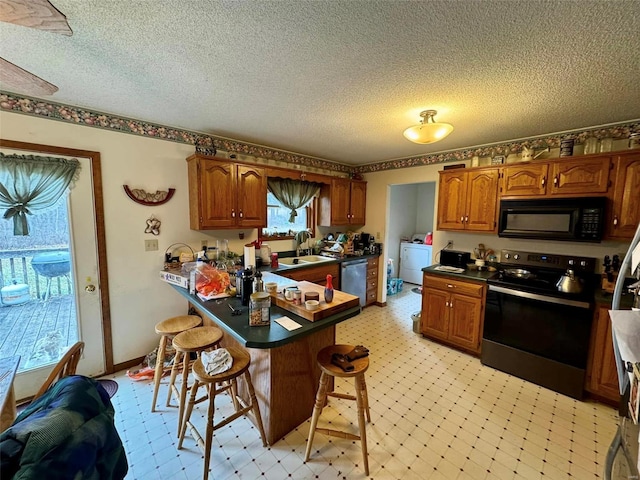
(14, 78)
(40, 14)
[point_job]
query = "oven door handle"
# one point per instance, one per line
(542, 298)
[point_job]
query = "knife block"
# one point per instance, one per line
(607, 285)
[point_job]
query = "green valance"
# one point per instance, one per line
(30, 184)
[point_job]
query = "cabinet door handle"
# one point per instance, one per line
(462, 219)
(446, 304)
(451, 304)
(555, 180)
(450, 286)
(233, 214)
(615, 220)
(544, 180)
(466, 218)
(241, 215)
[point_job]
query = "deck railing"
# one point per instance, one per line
(15, 266)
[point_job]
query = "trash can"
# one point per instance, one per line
(416, 322)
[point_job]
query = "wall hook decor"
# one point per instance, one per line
(149, 199)
(153, 225)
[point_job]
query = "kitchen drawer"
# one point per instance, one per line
(372, 297)
(454, 286)
(372, 273)
(372, 285)
(373, 263)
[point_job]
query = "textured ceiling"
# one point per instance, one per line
(341, 80)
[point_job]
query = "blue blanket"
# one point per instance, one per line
(67, 433)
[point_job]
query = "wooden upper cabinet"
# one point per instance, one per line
(252, 197)
(223, 194)
(625, 207)
(482, 197)
(358, 202)
(452, 200)
(468, 200)
(580, 176)
(343, 202)
(524, 180)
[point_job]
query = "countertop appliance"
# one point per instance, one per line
(534, 331)
(414, 256)
(353, 278)
(574, 219)
(455, 258)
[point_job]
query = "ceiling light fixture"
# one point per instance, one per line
(428, 131)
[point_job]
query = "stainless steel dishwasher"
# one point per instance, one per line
(353, 279)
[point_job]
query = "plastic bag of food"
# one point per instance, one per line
(211, 281)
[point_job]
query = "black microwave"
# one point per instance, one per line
(573, 219)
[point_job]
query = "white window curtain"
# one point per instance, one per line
(30, 184)
(292, 194)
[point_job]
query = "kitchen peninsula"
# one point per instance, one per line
(283, 363)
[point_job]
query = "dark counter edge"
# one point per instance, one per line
(601, 297)
(265, 337)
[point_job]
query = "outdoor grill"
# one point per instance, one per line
(51, 265)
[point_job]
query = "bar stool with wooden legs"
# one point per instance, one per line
(214, 385)
(167, 329)
(195, 340)
(330, 370)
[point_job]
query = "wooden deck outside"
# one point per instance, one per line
(39, 331)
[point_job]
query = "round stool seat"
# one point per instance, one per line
(175, 325)
(360, 365)
(241, 361)
(197, 339)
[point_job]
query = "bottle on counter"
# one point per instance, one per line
(258, 284)
(247, 285)
(328, 290)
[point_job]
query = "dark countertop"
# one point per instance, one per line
(475, 275)
(271, 336)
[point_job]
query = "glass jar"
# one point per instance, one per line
(606, 144)
(260, 309)
(590, 145)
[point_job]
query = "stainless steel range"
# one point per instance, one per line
(538, 319)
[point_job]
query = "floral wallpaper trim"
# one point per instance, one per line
(82, 116)
(618, 131)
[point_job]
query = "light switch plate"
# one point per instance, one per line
(150, 245)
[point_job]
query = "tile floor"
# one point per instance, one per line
(436, 414)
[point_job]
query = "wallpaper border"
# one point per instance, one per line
(83, 116)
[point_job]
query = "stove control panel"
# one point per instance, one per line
(550, 261)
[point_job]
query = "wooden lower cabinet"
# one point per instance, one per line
(316, 275)
(453, 311)
(372, 281)
(602, 373)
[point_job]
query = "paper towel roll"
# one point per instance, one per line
(249, 255)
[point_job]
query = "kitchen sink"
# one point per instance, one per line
(292, 262)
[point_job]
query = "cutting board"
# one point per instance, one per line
(341, 301)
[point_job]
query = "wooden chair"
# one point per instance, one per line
(66, 366)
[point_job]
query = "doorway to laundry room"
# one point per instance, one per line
(411, 218)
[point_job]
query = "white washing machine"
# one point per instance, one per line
(413, 258)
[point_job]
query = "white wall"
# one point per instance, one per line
(426, 199)
(404, 203)
(139, 299)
